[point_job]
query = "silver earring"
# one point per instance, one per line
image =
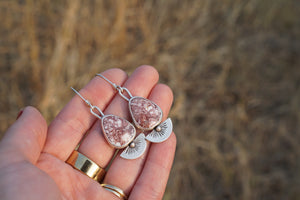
(146, 115)
(118, 132)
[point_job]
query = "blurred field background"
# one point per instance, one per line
(233, 66)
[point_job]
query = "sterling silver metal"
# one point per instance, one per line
(160, 131)
(136, 150)
(136, 123)
(118, 88)
(94, 110)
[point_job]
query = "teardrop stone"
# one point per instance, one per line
(117, 131)
(145, 113)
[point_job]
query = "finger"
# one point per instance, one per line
(75, 119)
(139, 83)
(152, 182)
(124, 173)
(25, 139)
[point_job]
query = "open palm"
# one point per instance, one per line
(33, 155)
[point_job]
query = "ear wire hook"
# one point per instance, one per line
(119, 88)
(143, 111)
(92, 108)
(113, 84)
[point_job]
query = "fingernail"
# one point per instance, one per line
(20, 113)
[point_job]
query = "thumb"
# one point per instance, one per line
(25, 139)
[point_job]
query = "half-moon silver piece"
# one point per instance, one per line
(138, 149)
(165, 131)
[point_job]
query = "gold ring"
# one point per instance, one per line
(87, 166)
(115, 190)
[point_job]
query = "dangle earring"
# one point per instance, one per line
(146, 115)
(118, 132)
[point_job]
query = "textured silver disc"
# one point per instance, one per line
(164, 132)
(140, 145)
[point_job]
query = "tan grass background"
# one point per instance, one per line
(233, 66)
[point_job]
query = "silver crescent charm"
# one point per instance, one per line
(161, 132)
(136, 148)
(146, 116)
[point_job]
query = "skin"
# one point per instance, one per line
(33, 155)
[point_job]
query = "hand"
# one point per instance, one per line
(33, 157)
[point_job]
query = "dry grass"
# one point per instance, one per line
(233, 66)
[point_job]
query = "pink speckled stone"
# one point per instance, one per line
(145, 113)
(118, 131)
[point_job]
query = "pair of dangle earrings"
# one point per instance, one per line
(120, 133)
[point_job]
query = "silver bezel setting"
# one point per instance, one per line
(105, 135)
(136, 123)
